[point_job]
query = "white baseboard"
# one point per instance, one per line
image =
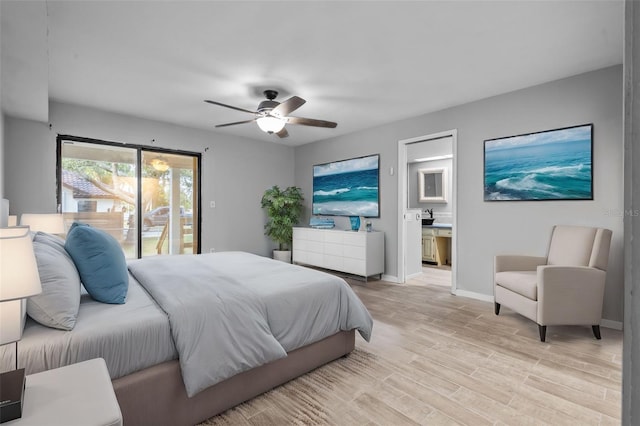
(417, 274)
(390, 278)
(615, 325)
(474, 295)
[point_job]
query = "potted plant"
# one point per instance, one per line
(283, 208)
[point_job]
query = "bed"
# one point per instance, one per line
(305, 318)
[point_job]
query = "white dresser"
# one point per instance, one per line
(354, 252)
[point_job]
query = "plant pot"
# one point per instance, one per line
(282, 255)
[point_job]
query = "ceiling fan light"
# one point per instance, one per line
(270, 124)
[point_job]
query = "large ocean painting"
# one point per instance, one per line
(549, 165)
(347, 188)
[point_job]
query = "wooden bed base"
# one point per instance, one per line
(156, 395)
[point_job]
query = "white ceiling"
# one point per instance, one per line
(359, 63)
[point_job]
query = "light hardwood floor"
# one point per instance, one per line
(437, 359)
(433, 275)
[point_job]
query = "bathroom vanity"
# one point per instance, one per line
(436, 243)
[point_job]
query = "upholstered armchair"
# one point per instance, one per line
(564, 288)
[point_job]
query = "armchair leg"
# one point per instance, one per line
(496, 308)
(596, 331)
(543, 332)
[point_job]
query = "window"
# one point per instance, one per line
(118, 187)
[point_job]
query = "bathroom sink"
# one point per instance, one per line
(441, 225)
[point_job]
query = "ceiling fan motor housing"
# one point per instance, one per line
(270, 94)
(268, 105)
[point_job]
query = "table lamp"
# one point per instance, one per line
(51, 223)
(19, 279)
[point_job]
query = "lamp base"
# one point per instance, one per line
(11, 394)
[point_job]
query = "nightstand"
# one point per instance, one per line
(75, 395)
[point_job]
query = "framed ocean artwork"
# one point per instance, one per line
(549, 165)
(347, 187)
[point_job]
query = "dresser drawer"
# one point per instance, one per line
(308, 258)
(308, 234)
(312, 246)
(335, 249)
(358, 239)
(333, 237)
(444, 232)
(428, 232)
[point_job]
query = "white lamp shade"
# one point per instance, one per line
(50, 223)
(270, 124)
(19, 276)
(12, 317)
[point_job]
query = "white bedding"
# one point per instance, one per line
(129, 337)
(234, 311)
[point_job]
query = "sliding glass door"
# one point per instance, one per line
(169, 203)
(147, 199)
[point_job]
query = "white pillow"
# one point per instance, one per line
(57, 306)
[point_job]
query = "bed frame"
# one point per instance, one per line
(157, 396)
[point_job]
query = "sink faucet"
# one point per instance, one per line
(430, 211)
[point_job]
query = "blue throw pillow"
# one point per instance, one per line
(100, 262)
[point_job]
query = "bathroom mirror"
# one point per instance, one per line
(432, 185)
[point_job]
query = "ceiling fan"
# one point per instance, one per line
(272, 115)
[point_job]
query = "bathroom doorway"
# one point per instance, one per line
(426, 227)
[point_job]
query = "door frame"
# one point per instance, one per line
(402, 201)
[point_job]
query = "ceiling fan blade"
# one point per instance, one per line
(288, 106)
(229, 106)
(234, 123)
(311, 122)
(283, 133)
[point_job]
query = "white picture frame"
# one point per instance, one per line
(432, 185)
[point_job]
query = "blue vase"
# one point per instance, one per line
(355, 222)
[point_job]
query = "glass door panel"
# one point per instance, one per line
(99, 187)
(169, 203)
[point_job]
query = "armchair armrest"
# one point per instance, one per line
(518, 263)
(570, 295)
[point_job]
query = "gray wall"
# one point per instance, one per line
(2, 156)
(235, 171)
(631, 349)
(486, 229)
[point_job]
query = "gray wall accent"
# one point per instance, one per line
(489, 228)
(631, 348)
(235, 171)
